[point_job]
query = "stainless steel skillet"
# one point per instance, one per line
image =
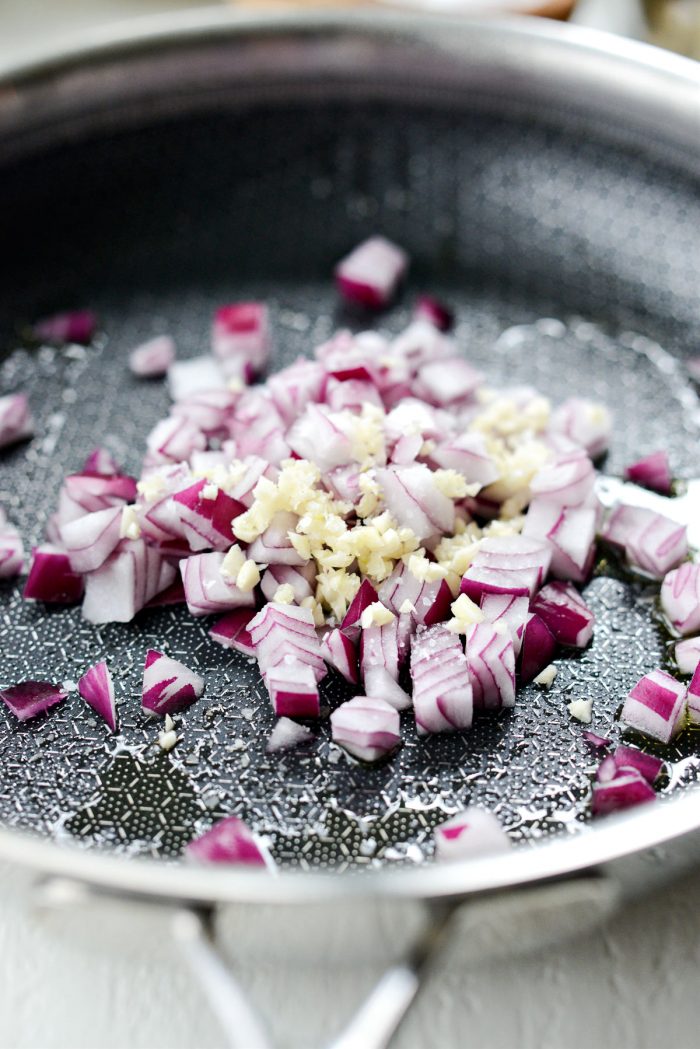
(541, 178)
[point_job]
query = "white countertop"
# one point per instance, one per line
(629, 985)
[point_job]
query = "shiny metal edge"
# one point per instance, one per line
(614, 838)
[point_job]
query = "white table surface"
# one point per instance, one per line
(632, 984)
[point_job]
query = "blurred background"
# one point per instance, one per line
(26, 25)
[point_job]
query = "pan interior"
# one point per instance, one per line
(582, 244)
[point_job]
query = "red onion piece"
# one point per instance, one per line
(11, 549)
(568, 481)
(407, 449)
(565, 613)
(294, 387)
(206, 589)
(152, 359)
(412, 497)
(680, 598)
(442, 690)
(210, 411)
(100, 461)
(370, 274)
(652, 543)
(537, 648)
(168, 685)
(646, 764)
(228, 841)
(656, 706)
(31, 698)
(255, 469)
(367, 728)
(171, 594)
(594, 740)
(76, 326)
(379, 647)
(687, 653)
(694, 698)
(365, 596)
(92, 492)
(320, 436)
(491, 667)
(301, 580)
(468, 454)
(91, 539)
(96, 688)
(287, 734)
(339, 651)
(16, 422)
(431, 600)
(173, 439)
(472, 832)
(51, 578)
(379, 684)
(627, 789)
(231, 631)
(127, 580)
(510, 610)
(570, 533)
(186, 378)
(293, 689)
(286, 634)
(274, 546)
(430, 309)
(240, 338)
(446, 381)
(510, 564)
(586, 423)
(653, 471)
(207, 523)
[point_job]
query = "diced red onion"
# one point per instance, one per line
(680, 598)
(16, 422)
(627, 789)
(339, 651)
(96, 688)
(594, 740)
(229, 841)
(652, 543)
(91, 539)
(168, 685)
(101, 461)
(367, 728)
(32, 698)
(286, 634)
(240, 338)
(231, 631)
(274, 547)
(301, 580)
(491, 666)
(468, 454)
(646, 764)
(210, 411)
(568, 481)
(153, 358)
(653, 471)
(420, 343)
(351, 394)
(370, 274)
(287, 734)
(414, 499)
(171, 593)
(447, 381)
(694, 698)
(570, 531)
(472, 832)
(565, 613)
(189, 377)
(51, 578)
(656, 706)
(407, 449)
(76, 326)
(293, 689)
(430, 309)
(255, 469)
(92, 492)
(537, 649)
(687, 653)
(127, 580)
(173, 439)
(11, 549)
(207, 523)
(379, 648)
(206, 589)
(319, 435)
(294, 387)
(365, 596)
(510, 610)
(379, 684)
(442, 689)
(510, 564)
(584, 422)
(431, 600)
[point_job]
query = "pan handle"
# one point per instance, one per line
(375, 1022)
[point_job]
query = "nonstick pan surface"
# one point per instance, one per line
(581, 239)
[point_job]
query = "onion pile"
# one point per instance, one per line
(377, 509)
